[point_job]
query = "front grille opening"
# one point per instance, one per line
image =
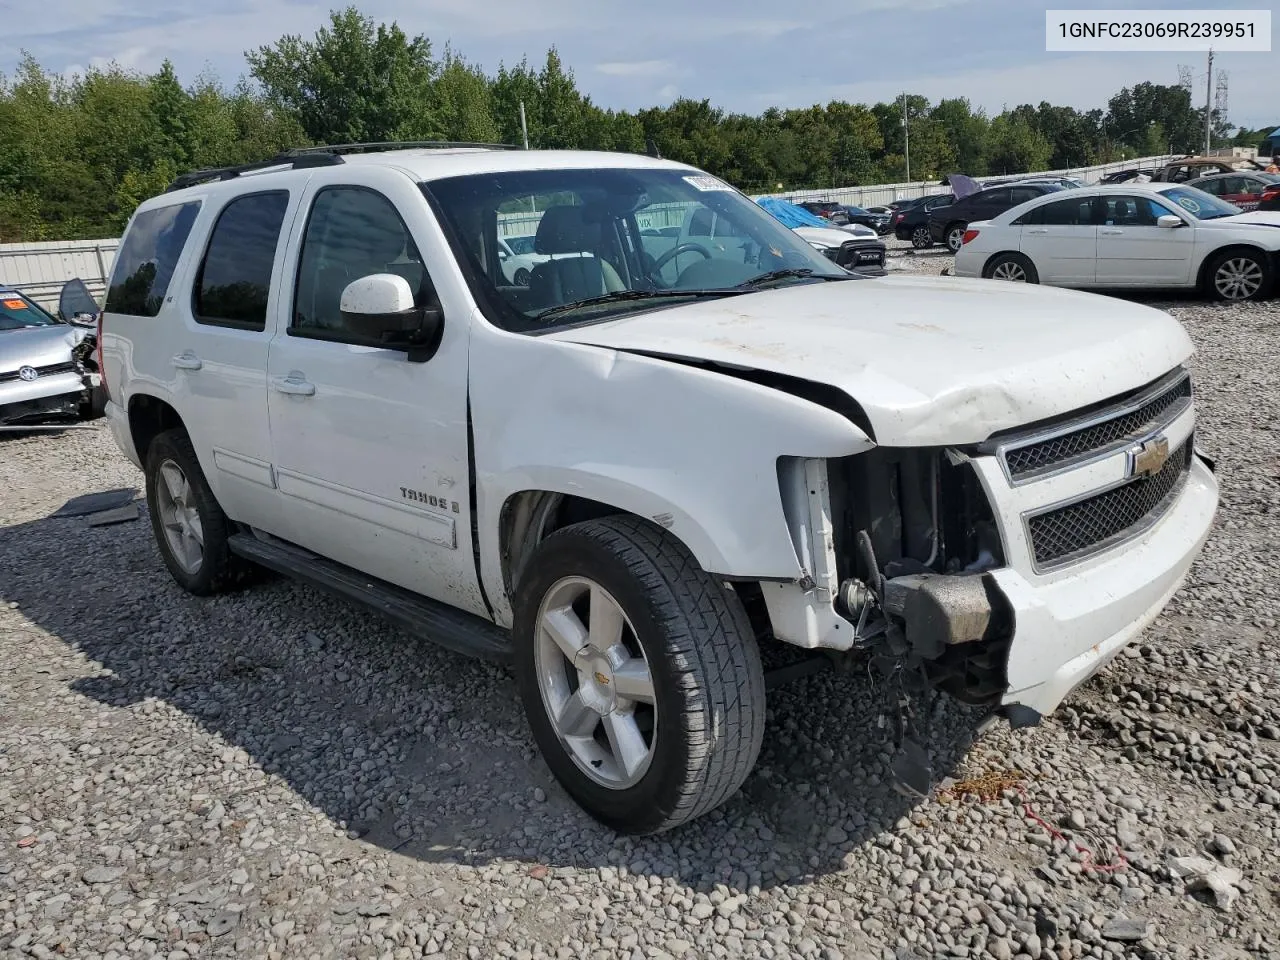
(1090, 526)
(1057, 452)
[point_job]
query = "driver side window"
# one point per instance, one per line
(352, 232)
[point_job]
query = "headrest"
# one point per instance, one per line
(563, 229)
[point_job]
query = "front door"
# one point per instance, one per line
(370, 448)
(1134, 252)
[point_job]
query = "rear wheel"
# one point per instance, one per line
(1239, 275)
(920, 238)
(955, 237)
(1013, 267)
(639, 673)
(190, 528)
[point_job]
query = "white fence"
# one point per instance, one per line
(40, 269)
(883, 193)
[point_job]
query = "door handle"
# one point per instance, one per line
(1111, 233)
(1037, 231)
(186, 361)
(293, 385)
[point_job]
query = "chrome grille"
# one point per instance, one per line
(1101, 434)
(1088, 526)
(46, 371)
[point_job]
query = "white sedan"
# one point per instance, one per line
(1129, 235)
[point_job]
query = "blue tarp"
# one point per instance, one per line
(791, 215)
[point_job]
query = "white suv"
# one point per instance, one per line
(627, 474)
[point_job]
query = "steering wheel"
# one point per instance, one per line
(678, 249)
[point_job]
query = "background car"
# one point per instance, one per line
(1124, 176)
(881, 223)
(826, 209)
(1248, 191)
(948, 224)
(1150, 235)
(912, 222)
(44, 363)
(853, 247)
(1192, 168)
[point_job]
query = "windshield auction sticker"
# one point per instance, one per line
(1078, 31)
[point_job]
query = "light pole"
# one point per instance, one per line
(906, 134)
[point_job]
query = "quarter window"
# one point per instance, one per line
(232, 287)
(352, 232)
(147, 259)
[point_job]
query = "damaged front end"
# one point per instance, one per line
(903, 539)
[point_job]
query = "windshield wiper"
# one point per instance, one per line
(786, 274)
(622, 296)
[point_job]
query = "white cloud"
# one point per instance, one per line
(636, 68)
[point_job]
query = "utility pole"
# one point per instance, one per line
(524, 127)
(906, 134)
(1208, 106)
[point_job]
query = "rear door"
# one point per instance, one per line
(1133, 251)
(1062, 241)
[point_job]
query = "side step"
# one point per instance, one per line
(441, 624)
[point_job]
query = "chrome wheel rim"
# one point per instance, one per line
(180, 518)
(595, 683)
(1009, 270)
(954, 238)
(1238, 278)
(920, 236)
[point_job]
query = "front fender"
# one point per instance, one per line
(693, 450)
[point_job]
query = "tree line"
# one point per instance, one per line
(78, 153)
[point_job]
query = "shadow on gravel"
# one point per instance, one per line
(426, 753)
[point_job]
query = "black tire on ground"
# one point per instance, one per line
(1006, 266)
(1239, 275)
(955, 236)
(219, 570)
(920, 238)
(93, 408)
(702, 655)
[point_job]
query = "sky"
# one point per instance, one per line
(743, 55)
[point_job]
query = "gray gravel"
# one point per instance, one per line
(273, 774)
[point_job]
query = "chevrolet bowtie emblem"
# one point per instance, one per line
(1149, 458)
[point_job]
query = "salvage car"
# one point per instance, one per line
(1157, 235)
(948, 224)
(627, 476)
(1248, 191)
(47, 370)
(912, 222)
(852, 246)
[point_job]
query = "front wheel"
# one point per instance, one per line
(1239, 275)
(639, 673)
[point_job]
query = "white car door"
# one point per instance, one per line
(371, 449)
(1062, 242)
(1134, 252)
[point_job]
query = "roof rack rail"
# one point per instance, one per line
(301, 158)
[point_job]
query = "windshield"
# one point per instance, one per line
(611, 241)
(17, 312)
(1201, 205)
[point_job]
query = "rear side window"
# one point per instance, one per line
(235, 277)
(147, 258)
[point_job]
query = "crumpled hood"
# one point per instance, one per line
(931, 360)
(37, 346)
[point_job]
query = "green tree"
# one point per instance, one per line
(355, 81)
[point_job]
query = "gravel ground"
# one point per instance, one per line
(273, 774)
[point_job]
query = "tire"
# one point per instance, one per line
(217, 569)
(955, 237)
(1011, 267)
(1236, 275)
(521, 278)
(94, 407)
(679, 626)
(920, 238)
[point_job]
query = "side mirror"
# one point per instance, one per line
(502, 254)
(380, 309)
(1170, 221)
